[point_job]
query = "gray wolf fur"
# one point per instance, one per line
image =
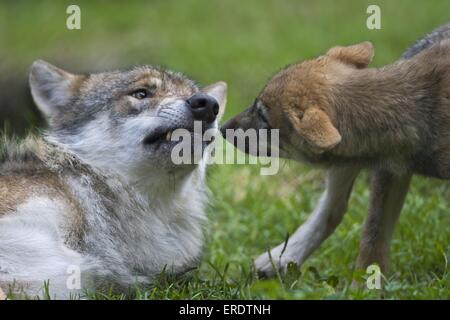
(335, 112)
(98, 193)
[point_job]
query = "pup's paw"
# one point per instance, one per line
(278, 261)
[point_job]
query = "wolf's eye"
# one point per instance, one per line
(140, 94)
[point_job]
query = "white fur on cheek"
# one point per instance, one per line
(118, 149)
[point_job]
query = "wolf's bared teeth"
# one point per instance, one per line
(168, 135)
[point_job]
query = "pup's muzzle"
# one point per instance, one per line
(244, 121)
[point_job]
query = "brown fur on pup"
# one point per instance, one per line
(335, 112)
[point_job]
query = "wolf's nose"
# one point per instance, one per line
(203, 107)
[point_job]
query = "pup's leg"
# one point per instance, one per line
(320, 224)
(388, 195)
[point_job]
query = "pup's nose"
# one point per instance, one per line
(203, 107)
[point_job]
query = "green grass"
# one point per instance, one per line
(244, 43)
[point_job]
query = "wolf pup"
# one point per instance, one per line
(97, 200)
(335, 112)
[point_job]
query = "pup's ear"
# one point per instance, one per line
(359, 55)
(316, 127)
(52, 88)
(218, 90)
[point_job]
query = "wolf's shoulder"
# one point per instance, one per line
(26, 170)
(19, 151)
(437, 35)
(34, 166)
(34, 154)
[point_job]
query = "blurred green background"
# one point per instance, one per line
(243, 43)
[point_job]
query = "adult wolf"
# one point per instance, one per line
(98, 194)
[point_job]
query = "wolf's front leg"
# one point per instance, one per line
(320, 224)
(388, 195)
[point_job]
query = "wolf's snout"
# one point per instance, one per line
(203, 107)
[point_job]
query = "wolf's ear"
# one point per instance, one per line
(316, 127)
(218, 90)
(359, 55)
(52, 88)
